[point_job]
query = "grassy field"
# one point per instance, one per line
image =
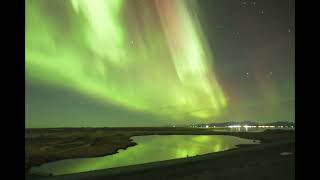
(47, 145)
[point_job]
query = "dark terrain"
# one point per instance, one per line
(248, 162)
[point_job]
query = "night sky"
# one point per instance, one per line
(158, 62)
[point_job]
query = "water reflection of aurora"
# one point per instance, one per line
(149, 149)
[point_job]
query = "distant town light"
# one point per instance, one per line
(266, 126)
(247, 126)
(234, 126)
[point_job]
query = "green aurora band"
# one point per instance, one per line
(144, 55)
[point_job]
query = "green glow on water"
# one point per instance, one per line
(149, 149)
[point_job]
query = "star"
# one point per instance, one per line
(247, 75)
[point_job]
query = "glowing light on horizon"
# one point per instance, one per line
(234, 126)
(266, 126)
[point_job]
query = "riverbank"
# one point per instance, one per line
(47, 145)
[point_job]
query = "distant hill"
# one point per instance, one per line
(248, 123)
(281, 123)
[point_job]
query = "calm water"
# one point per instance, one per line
(149, 149)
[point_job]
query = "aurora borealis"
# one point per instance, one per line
(138, 62)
